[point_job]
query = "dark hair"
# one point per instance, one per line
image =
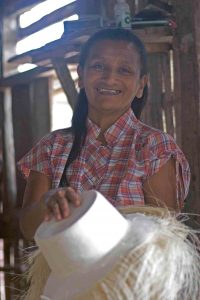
(78, 128)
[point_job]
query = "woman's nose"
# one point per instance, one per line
(109, 74)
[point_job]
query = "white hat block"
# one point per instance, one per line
(91, 232)
(83, 248)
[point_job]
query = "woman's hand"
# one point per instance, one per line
(41, 202)
(57, 202)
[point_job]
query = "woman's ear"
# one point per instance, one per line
(80, 76)
(143, 82)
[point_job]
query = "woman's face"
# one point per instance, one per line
(111, 77)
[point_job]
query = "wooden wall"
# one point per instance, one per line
(31, 116)
(187, 47)
(25, 119)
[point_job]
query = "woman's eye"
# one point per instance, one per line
(98, 67)
(124, 70)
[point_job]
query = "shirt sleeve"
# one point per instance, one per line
(37, 159)
(162, 147)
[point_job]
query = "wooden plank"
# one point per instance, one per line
(87, 7)
(146, 113)
(69, 46)
(168, 97)
(155, 90)
(66, 46)
(1, 40)
(40, 93)
(8, 150)
(9, 43)
(11, 7)
(66, 80)
(177, 92)
(7, 262)
(188, 40)
(54, 17)
(157, 48)
(31, 122)
(22, 78)
(23, 139)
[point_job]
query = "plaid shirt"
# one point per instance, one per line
(134, 152)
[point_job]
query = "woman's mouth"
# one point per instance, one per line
(109, 92)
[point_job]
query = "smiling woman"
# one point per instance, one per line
(108, 148)
(111, 80)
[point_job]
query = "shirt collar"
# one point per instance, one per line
(116, 130)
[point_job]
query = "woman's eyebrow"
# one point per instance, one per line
(125, 62)
(95, 57)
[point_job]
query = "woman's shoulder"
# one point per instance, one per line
(39, 157)
(59, 136)
(151, 136)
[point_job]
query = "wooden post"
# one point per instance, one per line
(9, 43)
(8, 150)
(177, 91)
(66, 80)
(1, 40)
(188, 40)
(154, 62)
(31, 116)
(167, 96)
(40, 94)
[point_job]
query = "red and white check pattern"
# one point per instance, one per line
(134, 151)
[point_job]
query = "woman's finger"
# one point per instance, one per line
(56, 211)
(57, 202)
(53, 208)
(73, 196)
(57, 205)
(64, 207)
(63, 202)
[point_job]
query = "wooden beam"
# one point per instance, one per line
(9, 225)
(22, 78)
(54, 17)
(69, 45)
(157, 48)
(9, 43)
(31, 116)
(87, 7)
(11, 7)
(66, 80)
(8, 150)
(155, 91)
(1, 40)
(188, 41)
(168, 99)
(40, 92)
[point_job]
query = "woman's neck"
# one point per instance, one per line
(104, 121)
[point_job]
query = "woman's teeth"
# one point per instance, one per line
(108, 91)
